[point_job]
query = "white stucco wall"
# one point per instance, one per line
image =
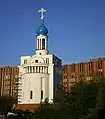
(32, 82)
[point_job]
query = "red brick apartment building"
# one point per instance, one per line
(8, 80)
(72, 73)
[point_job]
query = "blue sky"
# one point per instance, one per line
(76, 29)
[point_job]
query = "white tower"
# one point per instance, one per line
(40, 73)
(42, 37)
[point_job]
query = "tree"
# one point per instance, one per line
(101, 95)
(82, 99)
(6, 103)
(99, 110)
(45, 110)
(61, 95)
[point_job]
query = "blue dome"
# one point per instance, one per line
(42, 30)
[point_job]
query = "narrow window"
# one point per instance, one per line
(31, 94)
(38, 43)
(25, 61)
(36, 69)
(43, 44)
(47, 60)
(41, 94)
(30, 69)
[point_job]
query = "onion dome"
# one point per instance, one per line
(42, 30)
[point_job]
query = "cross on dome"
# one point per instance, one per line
(42, 30)
(42, 10)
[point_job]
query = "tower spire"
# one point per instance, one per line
(42, 10)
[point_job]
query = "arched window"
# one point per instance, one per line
(43, 44)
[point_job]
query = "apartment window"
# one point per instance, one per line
(25, 61)
(99, 64)
(8, 75)
(89, 74)
(73, 68)
(47, 60)
(90, 66)
(16, 75)
(72, 76)
(43, 44)
(41, 94)
(81, 67)
(99, 73)
(36, 61)
(72, 81)
(31, 94)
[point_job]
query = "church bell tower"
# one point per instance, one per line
(42, 37)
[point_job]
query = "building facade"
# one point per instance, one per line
(73, 73)
(8, 80)
(40, 74)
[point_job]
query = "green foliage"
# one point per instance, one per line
(61, 95)
(101, 95)
(6, 103)
(85, 101)
(82, 98)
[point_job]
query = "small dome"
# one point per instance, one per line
(42, 30)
